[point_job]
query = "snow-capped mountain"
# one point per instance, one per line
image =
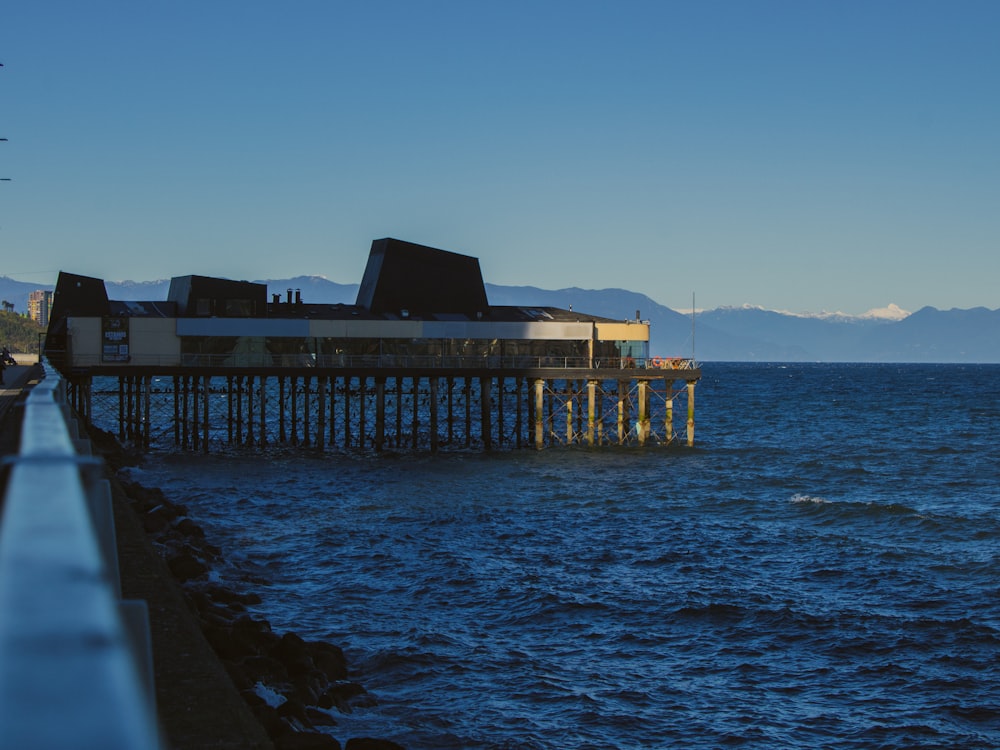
(743, 333)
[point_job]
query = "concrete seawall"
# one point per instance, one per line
(198, 706)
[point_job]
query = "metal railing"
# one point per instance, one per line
(75, 668)
(390, 361)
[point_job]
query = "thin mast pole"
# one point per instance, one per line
(692, 329)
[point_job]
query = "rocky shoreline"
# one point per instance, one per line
(290, 685)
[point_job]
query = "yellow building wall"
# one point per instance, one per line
(84, 341)
(154, 341)
(623, 331)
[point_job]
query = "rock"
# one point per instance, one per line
(367, 743)
(229, 597)
(187, 527)
(294, 712)
(156, 520)
(204, 549)
(291, 648)
(340, 696)
(305, 741)
(265, 669)
(185, 566)
(208, 610)
(320, 718)
(255, 635)
(268, 718)
(307, 687)
(293, 652)
(242, 678)
(223, 643)
(330, 660)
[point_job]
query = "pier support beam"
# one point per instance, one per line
(347, 413)
(321, 412)
(295, 410)
(591, 411)
(643, 425)
(239, 410)
(518, 423)
(451, 410)
(468, 412)
(622, 410)
(206, 401)
(500, 394)
(177, 413)
(539, 414)
(263, 410)
(668, 421)
(570, 396)
(333, 410)
(195, 413)
(690, 422)
(306, 410)
(485, 408)
(398, 388)
(229, 408)
(185, 397)
(379, 413)
(250, 437)
(434, 414)
(415, 426)
(282, 435)
(362, 411)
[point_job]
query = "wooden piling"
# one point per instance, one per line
(539, 414)
(434, 413)
(379, 413)
(205, 408)
(643, 405)
(485, 407)
(690, 410)
(591, 411)
(321, 412)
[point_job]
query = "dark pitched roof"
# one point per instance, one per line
(406, 276)
(222, 297)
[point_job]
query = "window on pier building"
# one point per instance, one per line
(226, 351)
(333, 352)
(239, 308)
(207, 307)
(637, 350)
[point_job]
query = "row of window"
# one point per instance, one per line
(333, 351)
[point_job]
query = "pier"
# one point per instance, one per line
(422, 361)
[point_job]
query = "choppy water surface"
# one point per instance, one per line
(821, 570)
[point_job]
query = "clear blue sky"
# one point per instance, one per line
(805, 155)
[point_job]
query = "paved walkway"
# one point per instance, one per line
(15, 380)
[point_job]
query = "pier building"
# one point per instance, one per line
(421, 360)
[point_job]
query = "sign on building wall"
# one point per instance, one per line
(114, 340)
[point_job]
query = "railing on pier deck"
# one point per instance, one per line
(72, 670)
(661, 366)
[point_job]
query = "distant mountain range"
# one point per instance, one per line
(733, 334)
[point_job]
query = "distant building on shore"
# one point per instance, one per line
(39, 305)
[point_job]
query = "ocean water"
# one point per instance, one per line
(822, 570)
